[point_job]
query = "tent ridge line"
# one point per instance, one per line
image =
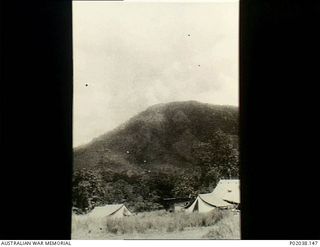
(117, 209)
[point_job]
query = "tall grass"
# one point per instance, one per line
(159, 221)
(227, 228)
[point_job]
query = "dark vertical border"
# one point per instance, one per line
(279, 64)
(36, 119)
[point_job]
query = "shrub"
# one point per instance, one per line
(227, 228)
(112, 226)
(171, 227)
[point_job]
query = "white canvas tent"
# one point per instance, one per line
(114, 211)
(225, 195)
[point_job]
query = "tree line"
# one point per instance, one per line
(215, 159)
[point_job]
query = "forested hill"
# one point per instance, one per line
(186, 140)
(160, 137)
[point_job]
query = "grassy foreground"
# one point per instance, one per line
(160, 225)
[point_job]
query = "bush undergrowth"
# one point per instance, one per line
(159, 221)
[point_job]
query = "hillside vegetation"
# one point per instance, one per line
(169, 150)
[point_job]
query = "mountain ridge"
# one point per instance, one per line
(161, 135)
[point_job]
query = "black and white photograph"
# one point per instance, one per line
(156, 120)
(183, 121)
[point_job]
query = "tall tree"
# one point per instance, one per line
(217, 158)
(87, 189)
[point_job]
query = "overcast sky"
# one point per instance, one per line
(134, 55)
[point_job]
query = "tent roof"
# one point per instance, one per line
(106, 210)
(213, 200)
(232, 196)
(227, 190)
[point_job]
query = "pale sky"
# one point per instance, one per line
(134, 55)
